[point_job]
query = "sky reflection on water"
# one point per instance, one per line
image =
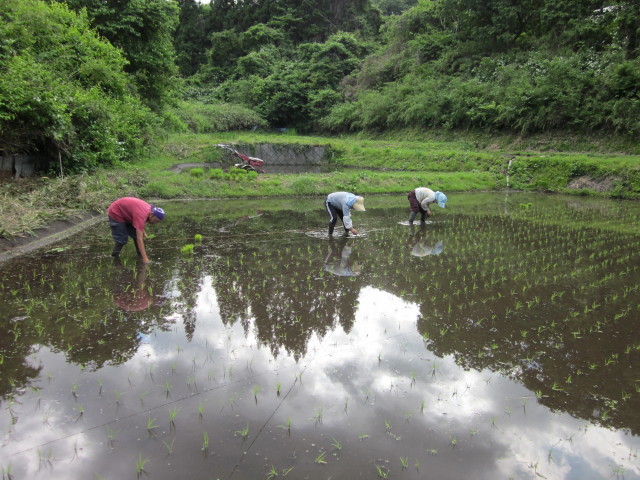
(371, 371)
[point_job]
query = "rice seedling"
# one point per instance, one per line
(244, 433)
(286, 426)
(256, 390)
(321, 458)
(45, 458)
(187, 249)
(7, 472)
(382, 471)
(318, 416)
(336, 444)
(205, 442)
(272, 473)
(173, 413)
(140, 464)
(404, 462)
(111, 435)
(169, 446)
(191, 381)
(151, 424)
(197, 238)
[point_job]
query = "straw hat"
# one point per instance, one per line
(359, 205)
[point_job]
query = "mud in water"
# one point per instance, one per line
(499, 340)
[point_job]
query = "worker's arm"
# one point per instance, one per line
(140, 240)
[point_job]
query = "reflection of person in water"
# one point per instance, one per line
(130, 290)
(337, 261)
(419, 245)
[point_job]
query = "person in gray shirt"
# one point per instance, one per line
(339, 205)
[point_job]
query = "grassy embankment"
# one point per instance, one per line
(389, 164)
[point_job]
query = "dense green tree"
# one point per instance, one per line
(63, 91)
(191, 40)
(394, 7)
(530, 66)
(296, 89)
(144, 30)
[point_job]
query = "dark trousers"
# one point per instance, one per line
(415, 207)
(334, 215)
(121, 232)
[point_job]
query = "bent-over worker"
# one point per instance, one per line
(127, 218)
(339, 205)
(420, 199)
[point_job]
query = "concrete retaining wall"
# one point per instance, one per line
(276, 154)
(18, 165)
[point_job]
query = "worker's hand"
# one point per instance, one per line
(353, 230)
(146, 260)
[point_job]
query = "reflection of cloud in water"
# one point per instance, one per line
(526, 437)
(513, 433)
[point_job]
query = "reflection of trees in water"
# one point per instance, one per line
(76, 308)
(543, 305)
(287, 295)
(15, 370)
(511, 296)
(188, 276)
(506, 297)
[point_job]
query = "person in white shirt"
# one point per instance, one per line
(420, 199)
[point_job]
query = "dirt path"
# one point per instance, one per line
(55, 231)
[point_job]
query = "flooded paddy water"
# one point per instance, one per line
(499, 340)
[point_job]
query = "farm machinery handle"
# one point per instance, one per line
(251, 164)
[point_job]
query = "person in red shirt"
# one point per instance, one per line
(127, 218)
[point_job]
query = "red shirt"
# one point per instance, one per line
(130, 210)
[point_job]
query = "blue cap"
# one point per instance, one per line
(441, 198)
(157, 212)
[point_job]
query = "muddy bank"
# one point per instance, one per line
(53, 232)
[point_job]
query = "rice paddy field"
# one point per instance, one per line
(498, 340)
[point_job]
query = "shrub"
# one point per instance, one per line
(216, 173)
(220, 117)
(65, 91)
